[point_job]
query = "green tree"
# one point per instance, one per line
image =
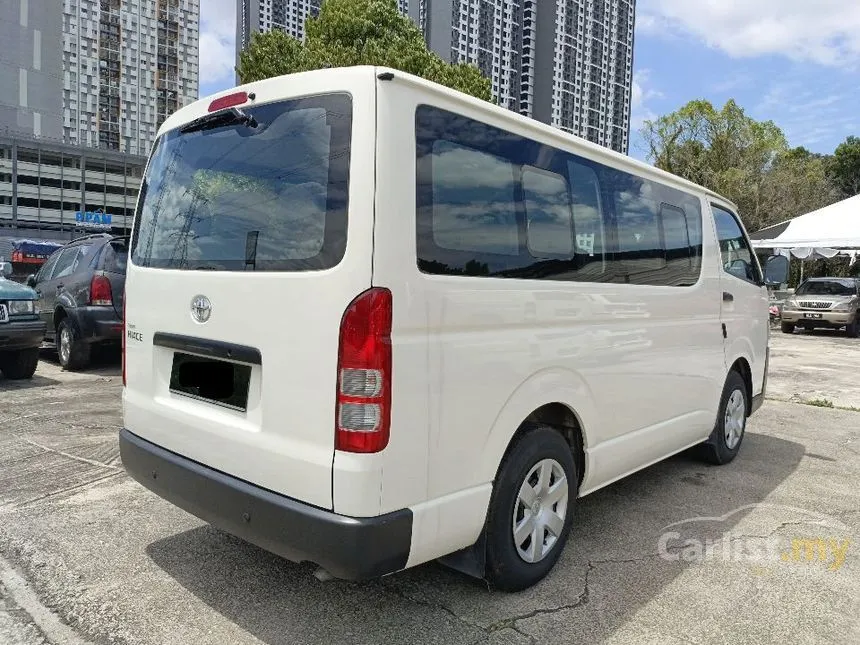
(747, 161)
(845, 166)
(357, 32)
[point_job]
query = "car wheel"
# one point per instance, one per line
(19, 365)
(531, 509)
(74, 354)
(853, 329)
(725, 441)
(787, 328)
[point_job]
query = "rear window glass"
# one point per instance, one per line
(116, 257)
(265, 190)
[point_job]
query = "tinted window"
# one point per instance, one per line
(826, 288)
(115, 256)
(735, 251)
(45, 272)
(268, 194)
(492, 203)
(66, 263)
(549, 219)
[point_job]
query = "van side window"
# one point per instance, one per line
(492, 203)
(735, 251)
(473, 201)
(549, 222)
(589, 231)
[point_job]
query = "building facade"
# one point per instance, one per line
(56, 191)
(563, 62)
(31, 73)
(127, 65)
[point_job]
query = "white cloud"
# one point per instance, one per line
(821, 31)
(640, 94)
(217, 42)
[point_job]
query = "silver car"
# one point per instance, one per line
(824, 302)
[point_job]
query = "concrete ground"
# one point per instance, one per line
(678, 553)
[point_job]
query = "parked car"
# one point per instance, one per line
(80, 290)
(471, 320)
(824, 302)
(21, 330)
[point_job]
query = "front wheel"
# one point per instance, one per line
(725, 441)
(787, 328)
(853, 329)
(20, 364)
(531, 510)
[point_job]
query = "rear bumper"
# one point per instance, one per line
(98, 324)
(21, 335)
(349, 548)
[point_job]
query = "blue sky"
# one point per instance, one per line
(796, 62)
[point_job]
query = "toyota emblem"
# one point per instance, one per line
(201, 308)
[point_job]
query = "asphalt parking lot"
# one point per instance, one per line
(763, 550)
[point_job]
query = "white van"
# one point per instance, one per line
(372, 322)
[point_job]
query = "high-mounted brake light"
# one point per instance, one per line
(363, 411)
(231, 100)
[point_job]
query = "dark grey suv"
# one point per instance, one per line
(80, 290)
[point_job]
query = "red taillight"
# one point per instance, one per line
(363, 411)
(228, 101)
(123, 340)
(100, 293)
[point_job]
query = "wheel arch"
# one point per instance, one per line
(742, 367)
(556, 398)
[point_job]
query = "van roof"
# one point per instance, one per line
(594, 151)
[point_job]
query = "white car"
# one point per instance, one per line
(372, 322)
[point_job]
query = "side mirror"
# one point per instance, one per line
(5, 269)
(776, 270)
(31, 280)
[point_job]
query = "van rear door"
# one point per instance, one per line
(252, 235)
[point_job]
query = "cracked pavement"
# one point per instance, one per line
(94, 558)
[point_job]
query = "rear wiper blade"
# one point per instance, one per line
(233, 116)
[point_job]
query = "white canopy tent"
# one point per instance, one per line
(826, 232)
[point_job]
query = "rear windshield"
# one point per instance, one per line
(826, 288)
(116, 256)
(259, 189)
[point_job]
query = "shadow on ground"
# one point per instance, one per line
(27, 383)
(608, 572)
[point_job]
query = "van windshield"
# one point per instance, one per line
(262, 190)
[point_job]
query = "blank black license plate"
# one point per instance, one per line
(212, 380)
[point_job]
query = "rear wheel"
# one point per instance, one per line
(74, 354)
(20, 364)
(787, 328)
(531, 510)
(725, 441)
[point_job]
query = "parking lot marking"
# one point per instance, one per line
(23, 595)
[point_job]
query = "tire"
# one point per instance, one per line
(21, 364)
(74, 354)
(539, 457)
(787, 328)
(728, 434)
(853, 329)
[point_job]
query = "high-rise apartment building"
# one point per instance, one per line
(30, 69)
(564, 62)
(128, 65)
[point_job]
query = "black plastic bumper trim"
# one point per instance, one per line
(23, 334)
(347, 547)
(210, 348)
